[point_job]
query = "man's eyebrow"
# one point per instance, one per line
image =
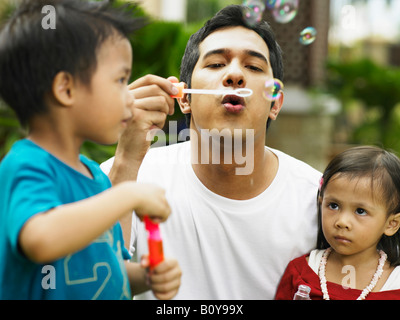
(225, 51)
(257, 55)
(215, 52)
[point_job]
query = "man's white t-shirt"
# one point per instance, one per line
(229, 249)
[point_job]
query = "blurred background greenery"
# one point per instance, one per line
(361, 65)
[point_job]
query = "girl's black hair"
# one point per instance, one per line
(31, 55)
(383, 167)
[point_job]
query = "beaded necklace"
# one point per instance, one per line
(366, 291)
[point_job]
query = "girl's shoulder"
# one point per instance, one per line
(314, 259)
(393, 281)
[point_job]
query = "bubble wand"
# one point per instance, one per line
(154, 240)
(241, 92)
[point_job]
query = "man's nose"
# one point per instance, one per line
(234, 76)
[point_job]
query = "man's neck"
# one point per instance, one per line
(233, 180)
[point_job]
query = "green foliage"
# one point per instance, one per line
(156, 49)
(378, 89)
(10, 130)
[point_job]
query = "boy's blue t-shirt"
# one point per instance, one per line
(33, 181)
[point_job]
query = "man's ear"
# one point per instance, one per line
(393, 225)
(63, 88)
(276, 108)
(184, 104)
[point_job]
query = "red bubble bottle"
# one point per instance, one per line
(156, 254)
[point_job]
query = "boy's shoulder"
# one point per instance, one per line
(23, 152)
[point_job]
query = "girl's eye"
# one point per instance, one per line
(333, 206)
(361, 212)
(123, 80)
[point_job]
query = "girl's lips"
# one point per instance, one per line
(342, 239)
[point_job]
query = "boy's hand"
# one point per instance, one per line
(164, 279)
(151, 201)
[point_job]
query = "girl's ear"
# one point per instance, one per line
(184, 104)
(393, 225)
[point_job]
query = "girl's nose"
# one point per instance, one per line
(343, 221)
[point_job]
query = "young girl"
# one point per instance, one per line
(358, 247)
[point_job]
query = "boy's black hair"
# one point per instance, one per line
(31, 56)
(230, 16)
(383, 167)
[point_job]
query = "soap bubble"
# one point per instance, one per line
(253, 12)
(273, 89)
(270, 3)
(308, 36)
(284, 11)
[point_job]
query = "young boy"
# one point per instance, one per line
(59, 231)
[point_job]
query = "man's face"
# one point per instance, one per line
(232, 58)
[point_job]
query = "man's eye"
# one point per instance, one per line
(215, 65)
(254, 68)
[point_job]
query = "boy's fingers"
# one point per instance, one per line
(166, 286)
(167, 292)
(166, 271)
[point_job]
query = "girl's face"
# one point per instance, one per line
(354, 215)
